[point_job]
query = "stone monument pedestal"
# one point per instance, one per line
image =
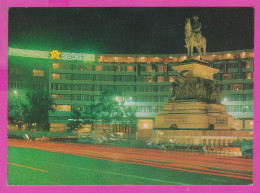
(187, 115)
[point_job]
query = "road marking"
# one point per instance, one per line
(216, 180)
(145, 178)
(27, 167)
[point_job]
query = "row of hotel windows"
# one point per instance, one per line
(234, 76)
(19, 85)
(18, 71)
(121, 78)
(108, 68)
(91, 98)
(83, 87)
(143, 68)
(156, 59)
(228, 65)
(145, 109)
(238, 97)
(240, 108)
(156, 109)
(238, 87)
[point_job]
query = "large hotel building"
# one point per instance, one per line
(76, 80)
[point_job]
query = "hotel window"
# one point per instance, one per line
(249, 97)
(60, 66)
(97, 88)
(161, 88)
(55, 76)
(12, 84)
(76, 87)
(98, 67)
(160, 78)
(236, 108)
(62, 107)
(140, 88)
(87, 87)
(217, 65)
(108, 88)
(87, 77)
(247, 109)
(217, 76)
(232, 65)
(130, 78)
(120, 78)
(130, 88)
(88, 98)
(237, 97)
(226, 77)
(15, 71)
(38, 72)
(99, 78)
(77, 98)
(237, 87)
(120, 68)
(149, 79)
(60, 87)
(37, 86)
(248, 64)
(226, 87)
(149, 88)
(55, 97)
(108, 68)
(249, 86)
(109, 78)
(161, 98)
(249, 75)
(130, 68)
(141, 78)
(161, 68)
(140, 99)
(148, 68)
(236, 76)
(96, 99)
(150, 99)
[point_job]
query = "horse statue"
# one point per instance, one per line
(193, 39)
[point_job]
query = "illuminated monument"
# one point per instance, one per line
(194, 115)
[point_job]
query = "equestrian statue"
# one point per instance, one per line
(194, 37)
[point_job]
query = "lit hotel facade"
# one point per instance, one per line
(76, 80)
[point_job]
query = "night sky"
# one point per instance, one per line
(128, 30)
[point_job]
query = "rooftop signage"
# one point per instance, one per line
(54, 54)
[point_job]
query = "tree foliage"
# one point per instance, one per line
(76, 120)
(36, 110)
(191, 87)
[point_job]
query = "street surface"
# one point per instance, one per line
(58, 163)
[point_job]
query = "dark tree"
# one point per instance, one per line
(36, 111)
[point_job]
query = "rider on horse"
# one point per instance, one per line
(196, 27)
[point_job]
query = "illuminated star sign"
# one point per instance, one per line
(55, 54)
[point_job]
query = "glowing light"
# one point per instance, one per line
(145, 125)
(130, 98)
(225, 100)
(15, 92)
(55, 54)
(251, 122)
(28, 53)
